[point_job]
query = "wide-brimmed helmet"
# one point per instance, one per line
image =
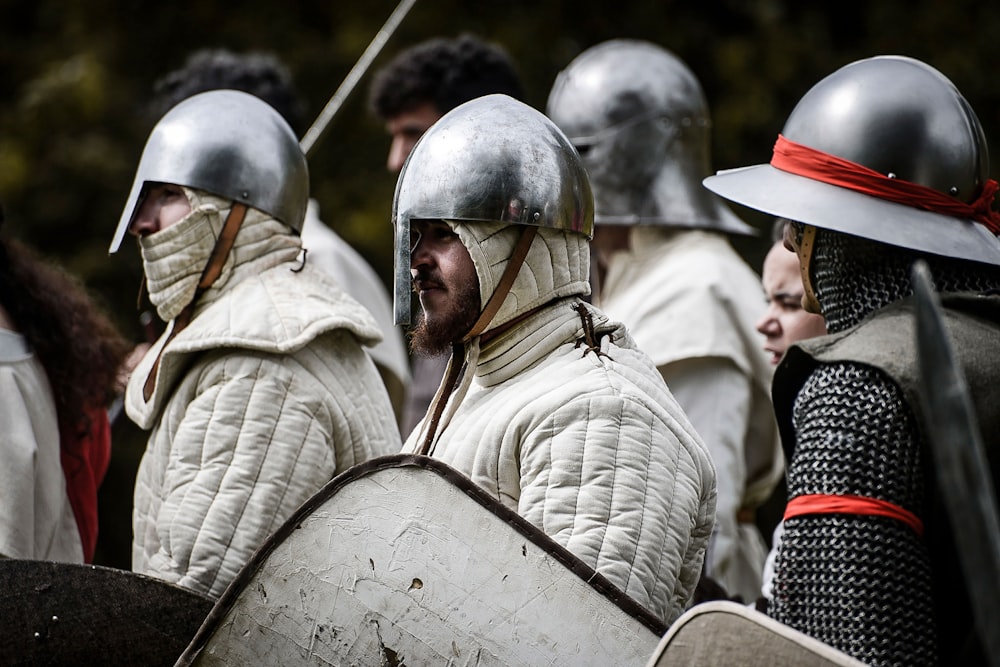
(493, 159)
(886, 149)
(231, 144)
(638, 117)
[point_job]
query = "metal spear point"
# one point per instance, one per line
(313, 134)
(962, 469)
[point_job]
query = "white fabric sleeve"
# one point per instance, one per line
(608, 480)
(767, 582)
(716, 397)
(19, 452)
(36, 519)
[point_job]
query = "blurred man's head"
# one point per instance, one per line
(426, 81)
(640, 120)
(258, 73)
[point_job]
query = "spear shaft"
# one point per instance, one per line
(322, 121)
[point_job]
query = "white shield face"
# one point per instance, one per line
(409, 556)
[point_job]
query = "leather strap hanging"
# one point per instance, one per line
(211, 273)
(805, 251)
(454, 372)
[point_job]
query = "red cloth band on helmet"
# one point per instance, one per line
(817, 165)
(824, 504)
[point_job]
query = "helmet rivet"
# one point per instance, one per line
(953, 191)
(891, 175)
(537, 216)
(246, 195)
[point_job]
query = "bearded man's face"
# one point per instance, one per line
(445, 279)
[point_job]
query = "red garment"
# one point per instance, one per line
(85, 457)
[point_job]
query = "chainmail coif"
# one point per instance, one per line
(861, 583)
(854, 277)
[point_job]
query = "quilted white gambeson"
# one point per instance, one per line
(259, 402)
(586, 442)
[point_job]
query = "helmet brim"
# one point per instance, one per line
(786, 195)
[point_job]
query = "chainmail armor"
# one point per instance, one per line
(854, 277)
(861, 583)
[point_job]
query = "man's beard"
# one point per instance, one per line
(435, 338)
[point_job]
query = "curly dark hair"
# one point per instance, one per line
(445, 72)
(77, 345)
(258, 73)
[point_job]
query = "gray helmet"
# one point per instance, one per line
(902, 119)
(492, 159)
(230, 144)
(639, 119)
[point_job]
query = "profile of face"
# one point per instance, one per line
(445, 279)
(405, 129)
(785, 321)
(163, 205)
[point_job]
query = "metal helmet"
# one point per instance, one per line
(231, 144)
(898, 117)
(493, 159)
(638, 117)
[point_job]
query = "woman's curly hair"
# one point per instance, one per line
(77, 344)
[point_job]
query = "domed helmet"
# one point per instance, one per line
(638, 117)
(886, 149)
(228, 143)
(492, 159)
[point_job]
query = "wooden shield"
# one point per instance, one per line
(729, 634)
(402, 560)
(70, 614)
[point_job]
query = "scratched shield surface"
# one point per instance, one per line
(402, 561)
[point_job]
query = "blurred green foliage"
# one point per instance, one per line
(75, 77)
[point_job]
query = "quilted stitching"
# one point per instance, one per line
(592, 449)
(244, 435)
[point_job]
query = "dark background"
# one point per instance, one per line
(74, 77)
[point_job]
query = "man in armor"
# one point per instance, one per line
(409, 94)
(259, 391)
(664, 266)
(263, 75)
(547, 404)
(881, 163)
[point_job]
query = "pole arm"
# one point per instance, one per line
(313, 134)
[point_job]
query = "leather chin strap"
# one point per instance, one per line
(211, 273)
(457, 363)
(805, 251)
